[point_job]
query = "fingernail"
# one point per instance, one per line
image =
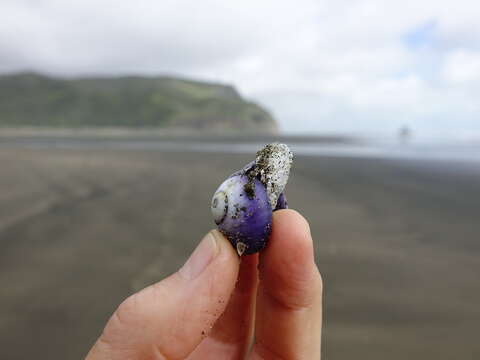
(203, 255)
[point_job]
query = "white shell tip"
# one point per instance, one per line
(273, 164)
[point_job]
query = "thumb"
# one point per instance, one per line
(169, 319)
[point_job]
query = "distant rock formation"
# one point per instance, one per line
(404, 134)
(29, 99)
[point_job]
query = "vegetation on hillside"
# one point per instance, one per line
(29, 99)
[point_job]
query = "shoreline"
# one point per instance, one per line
(114, 133)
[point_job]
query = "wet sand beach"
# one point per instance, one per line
(397, 242)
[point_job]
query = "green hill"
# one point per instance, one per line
(29, 99)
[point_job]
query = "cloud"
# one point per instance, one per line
(462, 67)
(349, 66)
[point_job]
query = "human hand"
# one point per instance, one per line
(215, 305)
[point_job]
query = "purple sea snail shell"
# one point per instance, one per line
(243, 204)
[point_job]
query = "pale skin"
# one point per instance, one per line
(218, 306)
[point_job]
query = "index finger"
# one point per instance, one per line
(289, 300)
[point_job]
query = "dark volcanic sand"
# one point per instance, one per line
(398, 245)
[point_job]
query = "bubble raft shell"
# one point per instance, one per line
(242, 206)
(245, 218)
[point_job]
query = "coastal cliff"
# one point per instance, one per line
(33, 100)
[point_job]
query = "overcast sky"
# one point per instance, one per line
(319, 66)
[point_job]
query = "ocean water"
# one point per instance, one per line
(435, 151)
(420, 151)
